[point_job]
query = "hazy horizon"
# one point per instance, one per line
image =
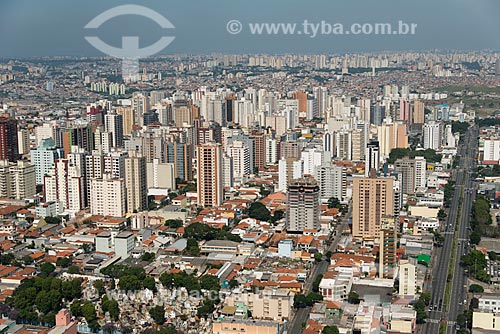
(32, 28)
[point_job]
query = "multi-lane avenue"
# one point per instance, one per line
(456, 243)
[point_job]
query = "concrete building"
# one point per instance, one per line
(114, 126)
(372, 157)
(136, 184)
(432, 135)
(65, 184)
(420, 172)
(9, 149)
(489, 302)
(485, 321)
(240, 155)
(336, 288)
(23, 141)
(210, 181)
(388, 259)
(372, 199)
(248, 326)
(17, 180)
(407, 278)
(406, 167)
(104, 242)
(491, 150)
(160, 175)
(124, 244)
(332, 181)
(181, 155)
(266, 304)
(303, 208)
(44, 156)
(108, 196)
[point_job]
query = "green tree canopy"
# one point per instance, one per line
(258, 211)
(158, 314)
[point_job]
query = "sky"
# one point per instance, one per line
(33, 28)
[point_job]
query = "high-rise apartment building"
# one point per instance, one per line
(17, 180)
(406, 167)
(303, 208)
(388, 259)
(136, 183)
(44, 156)
(373, 198)
(114, 125)
(108, 196)
(372, 157)
(420, 172)
(181, 155)
(332, 181)
(418, 112)
(8, 139)
(210, 176)
(23, 141)
(160, 175)
(65, 185)
(432, 135)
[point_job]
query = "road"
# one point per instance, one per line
(301, 315)
(463, 184)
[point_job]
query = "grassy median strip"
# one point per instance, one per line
(451, 265)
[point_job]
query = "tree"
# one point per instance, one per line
(333, 202)
(28, 260)
(210, 282)
(318, 257)
(53, 220)
(420, 307)
(76, 308)
(99, 286)
(88, 312)
(149, 283)
(259, 211)
(207, 308)
(317, 281)
(130, 283)
(330, 330)
(192, 247)
(110, 306)
(174, 223)
(73, 270)
(148, 257)
(475, 237)
(46, 269)
(353, 298)
(476, 288)
(158, 314)
(64, 262)
(7, 259)
(442, 214)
